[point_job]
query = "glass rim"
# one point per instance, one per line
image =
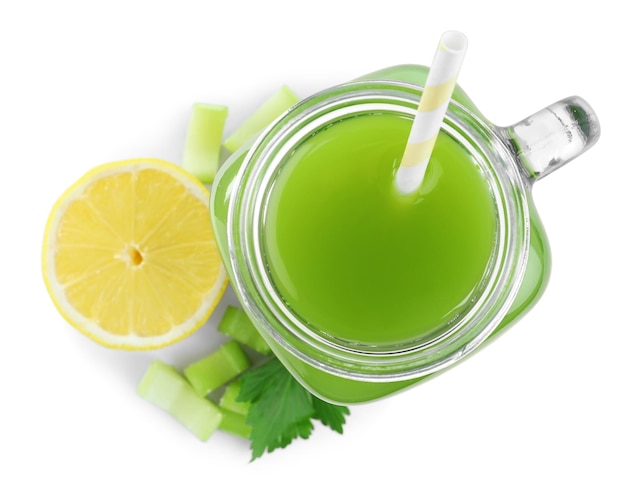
(379, 362)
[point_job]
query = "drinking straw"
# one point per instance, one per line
(431, 110)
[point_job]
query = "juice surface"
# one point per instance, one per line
(358, 261)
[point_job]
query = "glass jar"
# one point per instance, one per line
(510, 160)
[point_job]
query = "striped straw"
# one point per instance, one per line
(432, 108)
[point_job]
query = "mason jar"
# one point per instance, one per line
(509, 159)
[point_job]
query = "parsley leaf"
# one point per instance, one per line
(331, 415)
(281, 409)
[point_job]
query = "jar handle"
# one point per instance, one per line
(553, 136)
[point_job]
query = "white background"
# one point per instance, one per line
(538, 416)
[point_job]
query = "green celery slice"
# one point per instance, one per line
(204, 141)
(217, 368)
(164, 387)
(269, 110)
(236, 324)
(229, 401)
(235, 423)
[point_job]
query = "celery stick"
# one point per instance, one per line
(217, 368)
(204, 141)
(275, 105)
(164, 387)
(229, 400)
(235, 423)
(236, 324)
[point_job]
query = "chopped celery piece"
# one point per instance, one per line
(236, 324)
(204, 141)
(164, 387)
(229, 400)
(275, 105)
(235, 423)
(217, 368)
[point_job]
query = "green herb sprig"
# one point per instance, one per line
(281, 409)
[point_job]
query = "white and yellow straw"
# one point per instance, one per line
(432, 108)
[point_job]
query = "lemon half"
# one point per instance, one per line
(129, 255)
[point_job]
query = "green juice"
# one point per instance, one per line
(320, 245)
(360, 262)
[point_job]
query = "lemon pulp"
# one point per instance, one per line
(130, 257)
